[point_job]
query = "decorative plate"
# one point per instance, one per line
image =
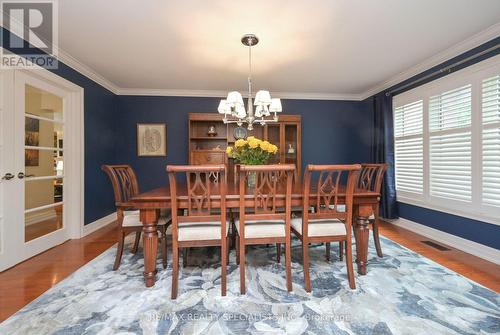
(240, 132)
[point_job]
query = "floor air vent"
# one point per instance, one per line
(436, 246)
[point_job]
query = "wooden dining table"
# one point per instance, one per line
(149, 203)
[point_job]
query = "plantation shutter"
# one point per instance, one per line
(491, 141)
(408, 146)
(450, 144)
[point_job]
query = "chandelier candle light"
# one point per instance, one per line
(233, 107)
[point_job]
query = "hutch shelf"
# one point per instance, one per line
(209, 138)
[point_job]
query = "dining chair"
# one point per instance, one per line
(371, 177)
(281, 175)
(262, 222)
(125, 186)
(233, 213)
(200, 226)
(331, 194)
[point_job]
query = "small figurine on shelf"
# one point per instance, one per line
(211, 131)
(291, 149)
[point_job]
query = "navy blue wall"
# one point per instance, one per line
(332, 131)
(100, 135)
(477, 231)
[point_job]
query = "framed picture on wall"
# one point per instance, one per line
(151, 139)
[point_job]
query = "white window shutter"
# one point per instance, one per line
(450, 166)
(408, 119)
(408, 146)
(450, 148)
(491, 141)
(450, 110)
(409, 165)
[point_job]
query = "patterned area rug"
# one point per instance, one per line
(403, 293)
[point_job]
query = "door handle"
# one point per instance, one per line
(8, 176)
(21, 175)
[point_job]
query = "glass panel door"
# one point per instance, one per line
(42, 117)
(290, 144)
(43, 163)
(273, 136)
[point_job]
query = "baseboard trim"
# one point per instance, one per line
(470, 247)
(98, 224)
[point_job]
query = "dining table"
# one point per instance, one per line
(150, 202)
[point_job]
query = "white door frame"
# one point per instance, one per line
(74, 162)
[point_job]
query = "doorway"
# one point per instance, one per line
(41, 190)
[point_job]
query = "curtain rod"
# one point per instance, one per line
(448, 69)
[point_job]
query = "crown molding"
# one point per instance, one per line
(222, 94)
(171, 92)
(75, 64)
(87, 71)
(317, 96)
(454, 51)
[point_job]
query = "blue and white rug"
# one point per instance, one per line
(403, 293)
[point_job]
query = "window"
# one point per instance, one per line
(447, 143)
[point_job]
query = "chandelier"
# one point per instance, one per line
(266, 108)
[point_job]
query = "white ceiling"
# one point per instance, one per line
(313, 47)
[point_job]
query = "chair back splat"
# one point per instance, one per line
(332, 184)
(203, 193)
(271, 181)
(371, 177)
(124, 183)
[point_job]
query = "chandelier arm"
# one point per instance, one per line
(230, 121)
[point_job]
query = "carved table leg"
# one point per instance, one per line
(361, 234)
(149, 219)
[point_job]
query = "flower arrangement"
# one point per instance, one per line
(252, 151)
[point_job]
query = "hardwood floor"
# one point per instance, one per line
(475, 268)
(26, 281)
(43, 228)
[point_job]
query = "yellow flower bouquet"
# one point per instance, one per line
(252, 151)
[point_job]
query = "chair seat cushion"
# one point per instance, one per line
(262, 229)
(340, 208)
(132, 219)
(196, 231)
(323, 227)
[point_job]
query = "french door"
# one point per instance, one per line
(38, 163)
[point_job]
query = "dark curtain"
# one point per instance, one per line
(383, 152)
